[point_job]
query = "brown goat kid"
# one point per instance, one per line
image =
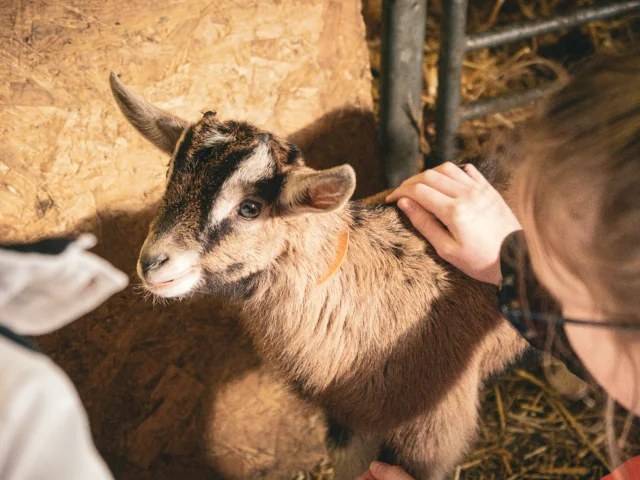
(344, 299)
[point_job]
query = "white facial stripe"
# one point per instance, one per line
(216, 138)
(225, 204)
(259, 166)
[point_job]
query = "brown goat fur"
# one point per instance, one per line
(395, 345)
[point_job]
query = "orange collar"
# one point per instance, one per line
(343, 245)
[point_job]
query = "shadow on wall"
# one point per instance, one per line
(158, 379)
(344, 136)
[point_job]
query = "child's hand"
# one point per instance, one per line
(383, 471)
(475, 218)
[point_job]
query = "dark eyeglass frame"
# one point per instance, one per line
(543, 331)
(516, 315)
(508, 294)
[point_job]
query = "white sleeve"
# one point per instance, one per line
(44, 430)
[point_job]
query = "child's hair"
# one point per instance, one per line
(582, 163)
(581, 159)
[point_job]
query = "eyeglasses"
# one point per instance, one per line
(533, 312)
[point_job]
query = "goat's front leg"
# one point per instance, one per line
(429, 447)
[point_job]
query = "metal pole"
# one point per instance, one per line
(520, 31)
(403, 30)
(502, 103)
(452, 41)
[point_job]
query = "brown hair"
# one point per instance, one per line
(581, 158)
(582, 164)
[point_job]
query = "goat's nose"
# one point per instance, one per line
(151, 262)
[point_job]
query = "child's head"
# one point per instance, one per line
(577, 195)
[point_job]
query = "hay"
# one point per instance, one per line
(527, 430)
(546, 435)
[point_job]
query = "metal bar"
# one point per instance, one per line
(452, 41)
(520, 31)
(481, 108)
(403, 31)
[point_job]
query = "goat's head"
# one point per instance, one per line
(232, 194)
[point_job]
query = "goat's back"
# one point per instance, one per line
(416, 329)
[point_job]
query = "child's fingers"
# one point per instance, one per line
(428, 225)
(438, 181)
(383, 471)
(454, 172)
(475, 174)
(366, 476)
(428, 198)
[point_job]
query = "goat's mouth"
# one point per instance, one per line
(174, 286)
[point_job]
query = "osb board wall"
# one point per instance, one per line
(67, 154)
(171, 390)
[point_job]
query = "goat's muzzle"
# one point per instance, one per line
(168, 273)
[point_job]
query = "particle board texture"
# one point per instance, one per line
(172, 390)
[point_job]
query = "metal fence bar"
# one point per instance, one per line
(502, 103)
(452, 45)
(520, 31)
(403, 32)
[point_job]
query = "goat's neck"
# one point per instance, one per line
(320, 247)
(295, 321)
(310, 255)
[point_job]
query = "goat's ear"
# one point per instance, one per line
(159, 127)
(307, 191)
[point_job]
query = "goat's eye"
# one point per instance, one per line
(249, 209)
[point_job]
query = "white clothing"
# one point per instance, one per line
(44, 429)
(40, 293)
